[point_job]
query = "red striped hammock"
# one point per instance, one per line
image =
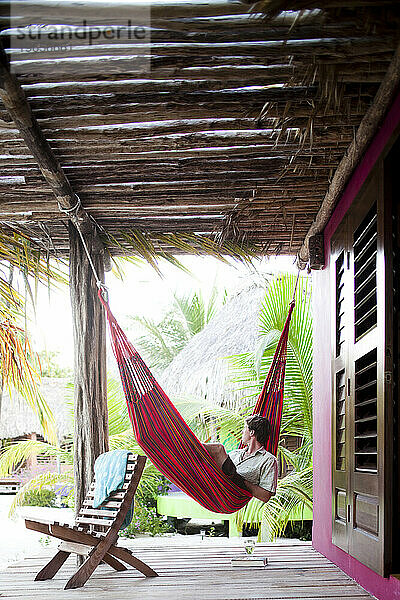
(167, 440)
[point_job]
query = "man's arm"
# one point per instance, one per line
(268, 479)
(257, 491)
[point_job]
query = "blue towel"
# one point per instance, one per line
(109, 470)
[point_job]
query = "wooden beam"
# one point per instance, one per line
(98, 11)
(365, 133)
(91, 101)
(352, 47)
(17, 106)
(243, 29)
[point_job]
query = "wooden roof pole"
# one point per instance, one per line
(91, 422)
(365, 133)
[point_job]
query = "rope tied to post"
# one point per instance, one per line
(72, 214)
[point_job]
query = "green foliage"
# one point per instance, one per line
(15, 453)
(294, 493)
(188, 315)
(249, 372)
(295, 490)
(153, 487)
(121, 436)
(20, 369)
(19, 364)
(43, 497)
(300, 530)
(42, 481)
(146, 520)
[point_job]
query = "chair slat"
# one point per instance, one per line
(121, 490)
(106, 504)
(114, 495)
(95, 521)
(98, 513)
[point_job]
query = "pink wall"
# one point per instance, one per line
(384, 589)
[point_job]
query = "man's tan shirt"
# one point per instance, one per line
(260, 468)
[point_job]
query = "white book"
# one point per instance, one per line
(249, 561)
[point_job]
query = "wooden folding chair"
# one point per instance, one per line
(95, 532)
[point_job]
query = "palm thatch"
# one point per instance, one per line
(18, 420)
(230, 131)
(200, 371)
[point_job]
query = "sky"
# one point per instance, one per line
(142, 292)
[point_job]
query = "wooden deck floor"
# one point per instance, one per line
(201, 571)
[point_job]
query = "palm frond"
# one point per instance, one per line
(152, 247)
(43, 480)
(21, 253)
(15, 453)
(250, 370)
(251, 514)
(209, 420)
(162, 341)
(118, 418)
(186, 317)
(293, 494)
(20, 370)
(124, 440)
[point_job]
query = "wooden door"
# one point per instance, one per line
(362, 382)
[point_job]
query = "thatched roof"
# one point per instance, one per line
(17, 419)
(213, 121)
(200, 371)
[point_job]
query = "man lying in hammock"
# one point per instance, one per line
(251, 467)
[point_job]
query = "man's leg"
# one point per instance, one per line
(220, 456)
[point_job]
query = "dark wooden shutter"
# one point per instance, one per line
(340, 334)
(361, 394)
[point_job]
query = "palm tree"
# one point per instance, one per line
(249, 371)
(295, 490)
(188, 315)
(19, 365)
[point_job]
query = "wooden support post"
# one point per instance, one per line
(91, 421)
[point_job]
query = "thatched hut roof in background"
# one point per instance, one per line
(17, 419)
(200, 371)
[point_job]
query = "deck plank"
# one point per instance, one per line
(200, 572)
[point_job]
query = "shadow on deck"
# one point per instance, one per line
(191, 569)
